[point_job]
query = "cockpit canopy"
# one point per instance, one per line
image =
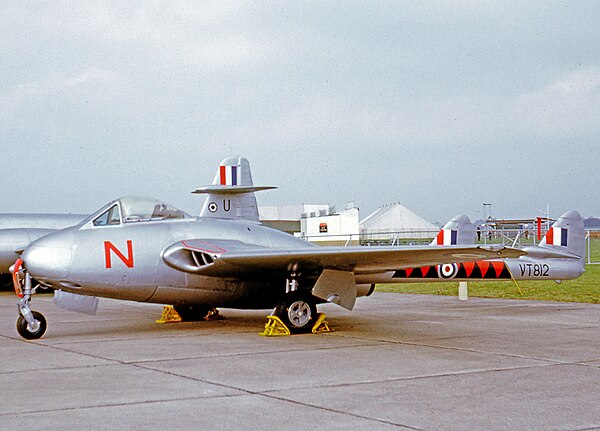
(132, 209)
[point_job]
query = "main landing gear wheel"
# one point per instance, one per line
(297, 311)
(32, 332)
(192, 313)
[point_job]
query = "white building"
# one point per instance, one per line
(331, 228)
(287, 217)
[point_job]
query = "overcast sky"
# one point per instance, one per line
(441, 106)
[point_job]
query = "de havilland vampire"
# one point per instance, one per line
(144, 250)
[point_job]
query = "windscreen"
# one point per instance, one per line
(136, 209)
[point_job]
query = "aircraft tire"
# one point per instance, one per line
(23, 329)
(297, 311)
(6, 281)
(192, 313)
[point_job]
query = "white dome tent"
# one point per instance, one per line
(393, 222)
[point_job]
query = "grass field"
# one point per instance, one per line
(595, 250)
(583, 289)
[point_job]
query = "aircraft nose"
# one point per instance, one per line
(47, 259)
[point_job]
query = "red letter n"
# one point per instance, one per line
(109, 246)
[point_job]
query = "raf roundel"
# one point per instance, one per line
(448, 270)
(212, 207)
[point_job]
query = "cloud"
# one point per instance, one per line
(93, 79)
(569, 105)
(91, 76)
(206, 34)
(88, 78)
(337, 122)
(567, 108)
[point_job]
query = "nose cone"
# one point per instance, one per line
(47, 259)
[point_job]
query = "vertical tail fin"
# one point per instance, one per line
(567, 232)
(233, 171)
(231, 195)
(458, 231)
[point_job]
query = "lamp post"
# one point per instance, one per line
(485, 220)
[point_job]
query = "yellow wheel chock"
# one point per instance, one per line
(169, 315)
(276, 328)
(321, 326)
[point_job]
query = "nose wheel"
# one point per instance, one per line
(31, 325)
(34, 330)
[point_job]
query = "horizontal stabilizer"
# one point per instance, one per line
(536, 252)
(230, 190)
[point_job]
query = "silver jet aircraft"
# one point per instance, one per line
(559, 256)
(145, 250)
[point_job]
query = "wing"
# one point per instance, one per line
(333, 268)
(227, 258)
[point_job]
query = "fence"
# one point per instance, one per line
(592, 239)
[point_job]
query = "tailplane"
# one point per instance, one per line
(458, 231)
(567, 233)
(231, 195)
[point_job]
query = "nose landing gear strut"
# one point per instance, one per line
(31, 325)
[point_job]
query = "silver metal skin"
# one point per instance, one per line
(145, 250)
(75, 260)
(17, 231)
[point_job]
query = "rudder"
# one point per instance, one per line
(568, 231)
(458, 231)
